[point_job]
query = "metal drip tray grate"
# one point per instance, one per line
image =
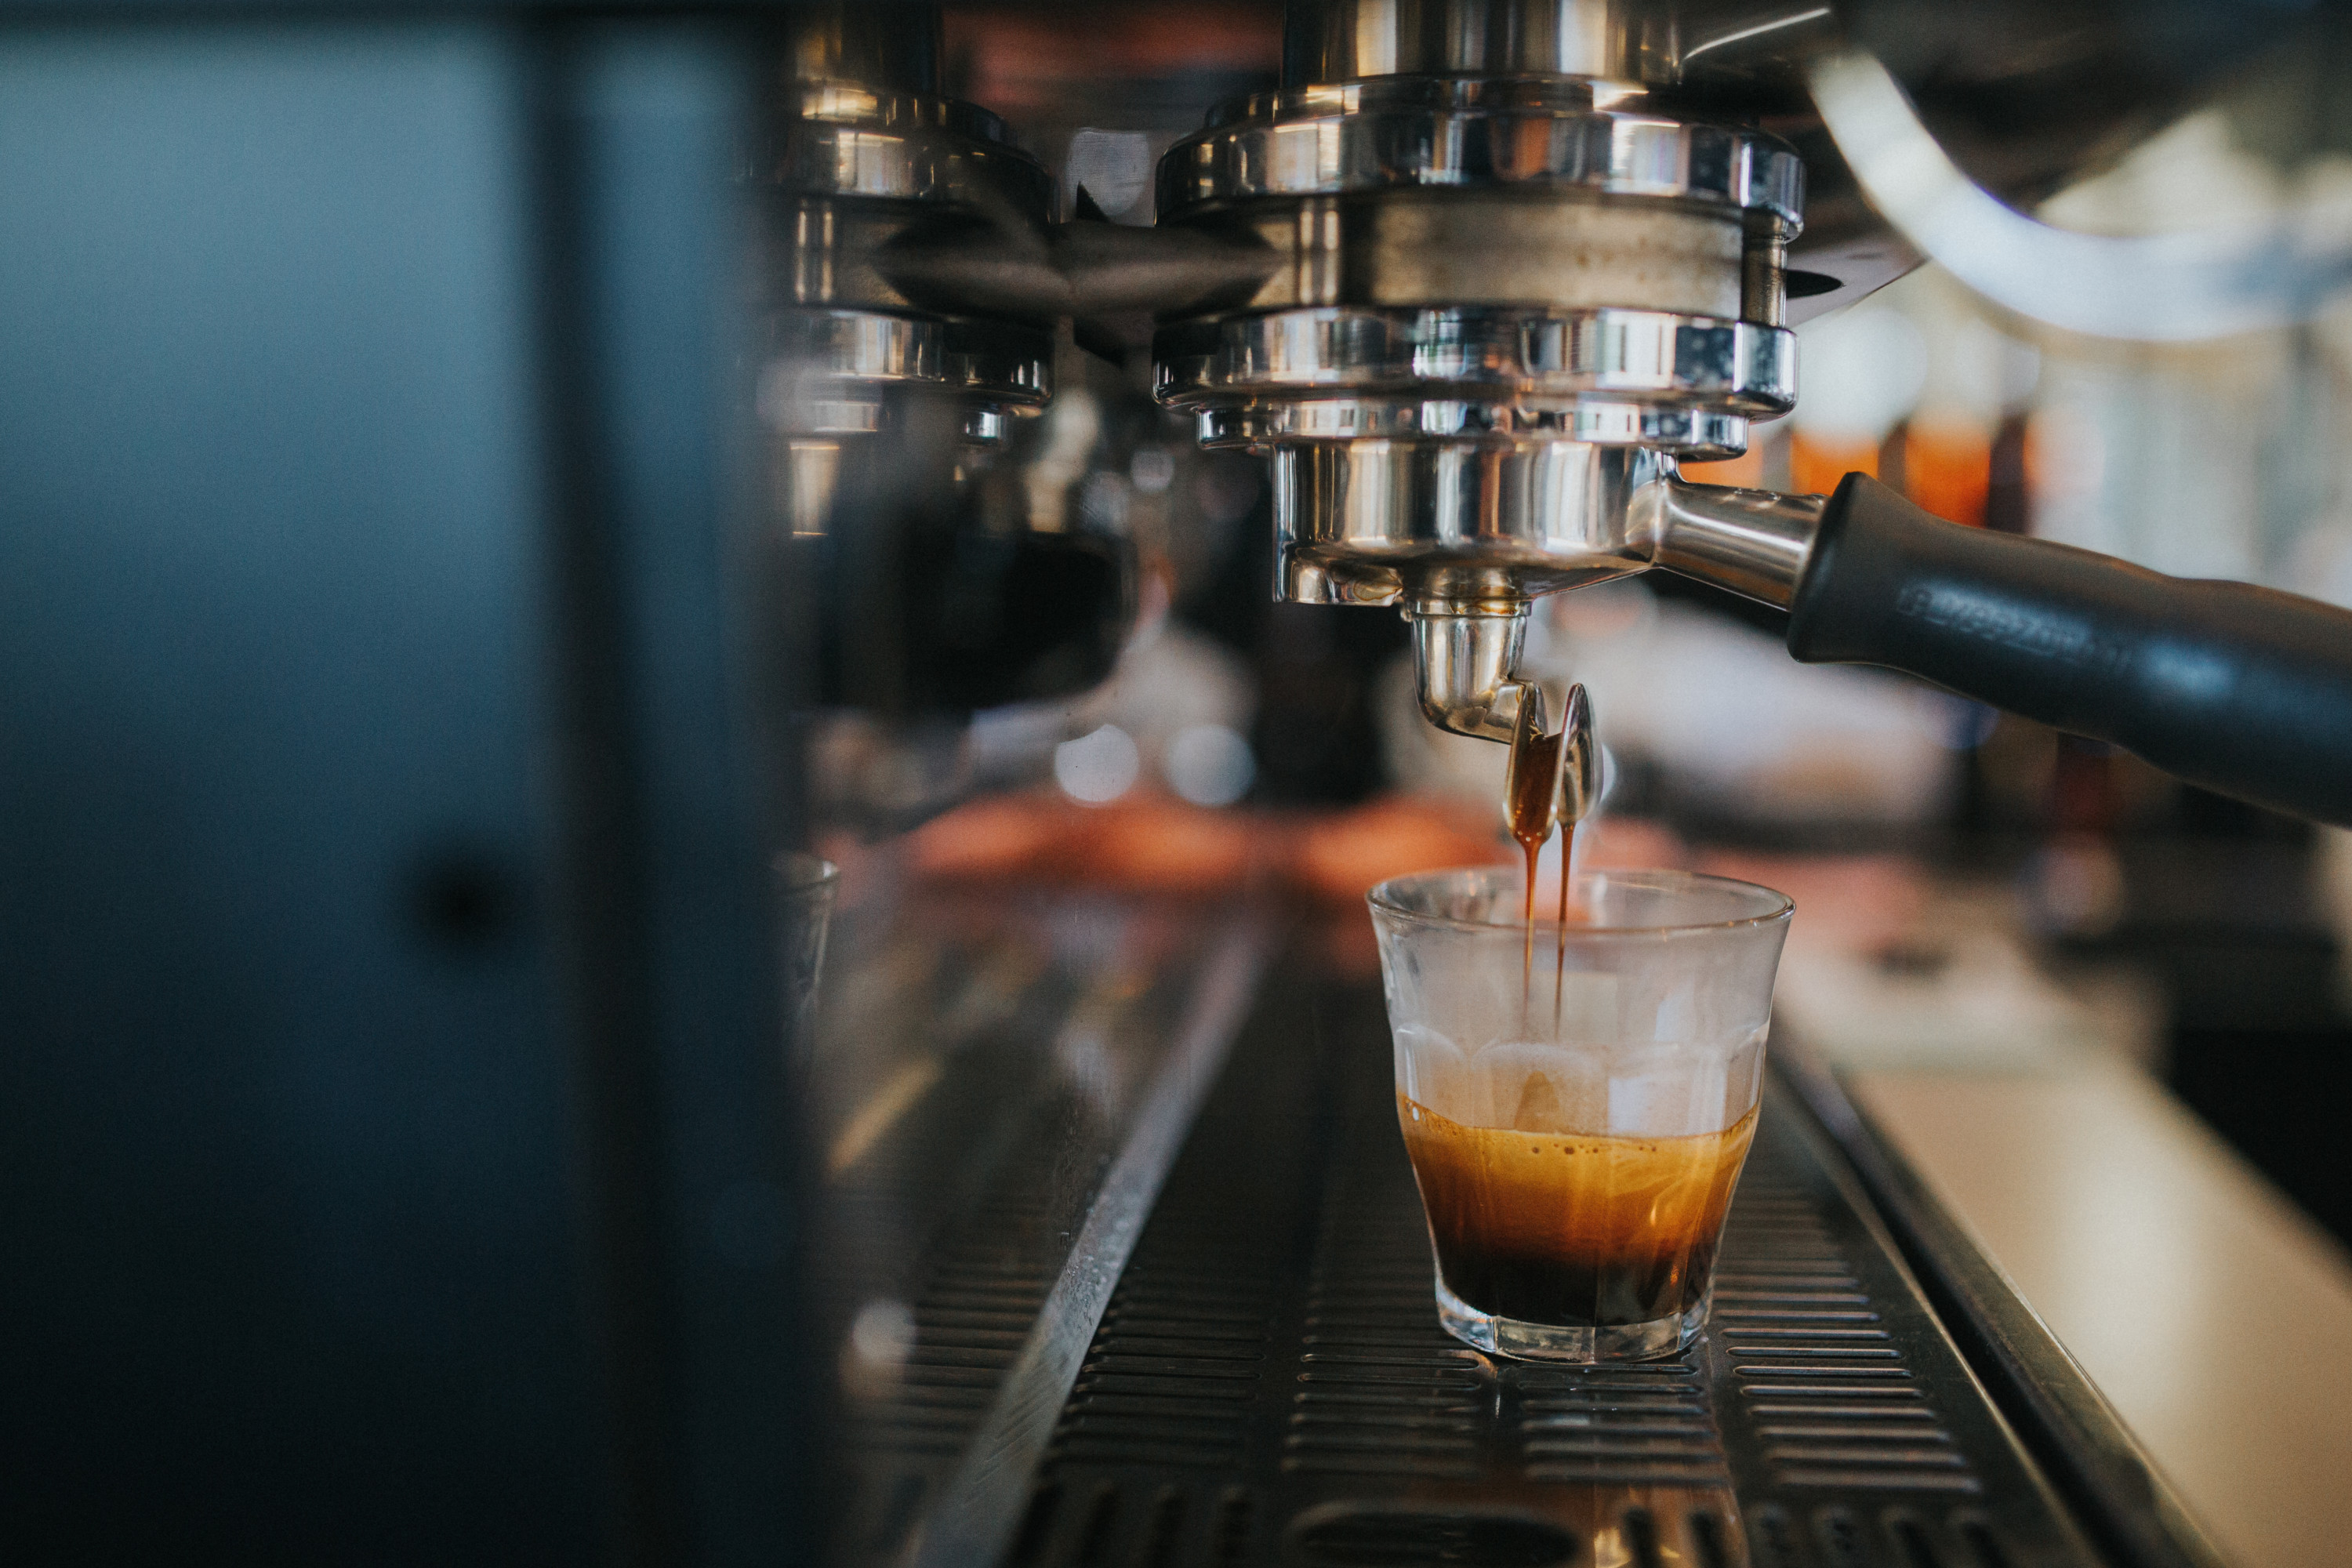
(1270, 1383)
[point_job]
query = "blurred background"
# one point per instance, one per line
(429, 706)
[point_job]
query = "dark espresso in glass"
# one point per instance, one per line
(1573, 1229)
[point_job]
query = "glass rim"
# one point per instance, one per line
(803, 872)
(1384, 902)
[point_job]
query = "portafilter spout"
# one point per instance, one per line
(1466, 648)
(1466, 661)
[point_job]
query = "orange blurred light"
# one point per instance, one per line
(1020, 59)
(1336, 857)
(1946, 469)
(1815, 464)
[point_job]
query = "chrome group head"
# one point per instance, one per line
(1474, 279)
(1512, 294)
(856, 151)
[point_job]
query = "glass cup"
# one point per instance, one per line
(805, 886)
(1577, 1107)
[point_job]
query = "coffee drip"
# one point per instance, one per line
(1551, 783)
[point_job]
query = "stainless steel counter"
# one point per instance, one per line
(2214, 1316)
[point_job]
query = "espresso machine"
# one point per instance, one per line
(485, 481)
(1474, 309)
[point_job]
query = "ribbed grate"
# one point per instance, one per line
(979, 1300)
(1828, 1392)
(1169, 1409)
(1270, 1384)
(1648, 1426)
(971, 1319)
(1379, 1389)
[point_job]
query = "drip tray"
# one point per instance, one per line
(1269, 1385)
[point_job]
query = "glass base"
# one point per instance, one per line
(1583, 1345)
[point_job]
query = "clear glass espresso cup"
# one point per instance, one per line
(1577, 1106)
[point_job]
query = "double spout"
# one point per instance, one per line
(1465, 658)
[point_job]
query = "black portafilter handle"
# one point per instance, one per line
(2246, 692)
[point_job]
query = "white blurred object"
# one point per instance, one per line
(1747, 729)
(1073, 422)
(1188, 700)
(2268, 263)
(2320, 565)
(1974, 372)
(1152, 470)
(883, 1333)
(1986, 373)
(874, 1356)
(1864, 371)
(2166, 471)
(2141, 195)
(1099, 767)
(1208, 764)
(1102, 501)
(1171, 681)
(1975, 1003)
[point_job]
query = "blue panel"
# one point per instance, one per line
(284, 1202)
(655, 122)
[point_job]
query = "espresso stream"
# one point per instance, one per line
(1574, 1228)
(1531, 783)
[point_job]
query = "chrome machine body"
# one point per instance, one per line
(1513, 290)
(856, 148)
